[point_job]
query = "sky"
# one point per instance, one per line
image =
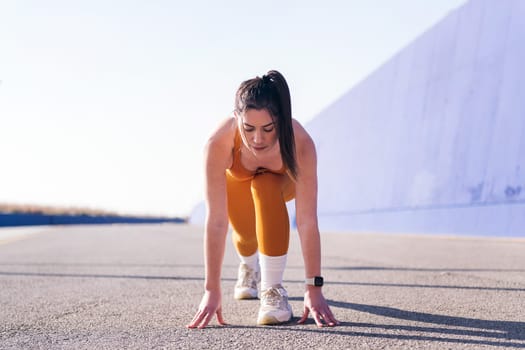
(108, 104)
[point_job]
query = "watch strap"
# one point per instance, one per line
(315, 281)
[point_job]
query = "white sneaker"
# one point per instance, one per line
(246, 286)
(275, 308)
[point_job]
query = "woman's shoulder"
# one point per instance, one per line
(302, 137)
(218, 150)
(224, 133)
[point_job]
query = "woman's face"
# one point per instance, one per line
(259, 129)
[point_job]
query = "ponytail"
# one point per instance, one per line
(285, 127)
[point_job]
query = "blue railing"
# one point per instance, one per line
(22, 219)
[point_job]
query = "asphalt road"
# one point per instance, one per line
(137, 286)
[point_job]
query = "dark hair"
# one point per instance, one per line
(271, 93)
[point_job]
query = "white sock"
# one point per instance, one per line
(252, 261)
(272, 270)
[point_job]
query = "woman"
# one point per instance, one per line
(255, 162)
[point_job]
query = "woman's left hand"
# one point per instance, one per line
(315, 303)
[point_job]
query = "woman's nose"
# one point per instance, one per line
(258, 136)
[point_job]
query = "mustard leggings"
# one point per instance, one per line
(258, 214)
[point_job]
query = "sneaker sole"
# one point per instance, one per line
(270, 320)
(244, 296)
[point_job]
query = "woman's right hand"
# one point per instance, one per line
(210, 305)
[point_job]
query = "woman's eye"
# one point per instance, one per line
(269, 129)
(249, 129)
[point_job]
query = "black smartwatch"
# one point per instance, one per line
(315, 281)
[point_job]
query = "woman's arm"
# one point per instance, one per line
(216, 216)
(307, 225)
(306, 205)
(217, 159)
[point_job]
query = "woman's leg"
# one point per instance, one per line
(270, 192)
(241, 213)
(272, 225)
(242, 218)
(258, 215)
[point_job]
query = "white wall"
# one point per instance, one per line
(434, 140)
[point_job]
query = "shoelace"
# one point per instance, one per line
(272, 297)
(248, 278)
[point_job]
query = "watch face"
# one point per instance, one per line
(318, 281)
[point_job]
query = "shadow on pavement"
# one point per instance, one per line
(508, 330)
(291, 267)
(189, 278)
(417, 269)
(88, 275)
(498, 333)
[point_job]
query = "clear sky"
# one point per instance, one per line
(108, 104)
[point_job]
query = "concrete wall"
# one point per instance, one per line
(434, 140)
